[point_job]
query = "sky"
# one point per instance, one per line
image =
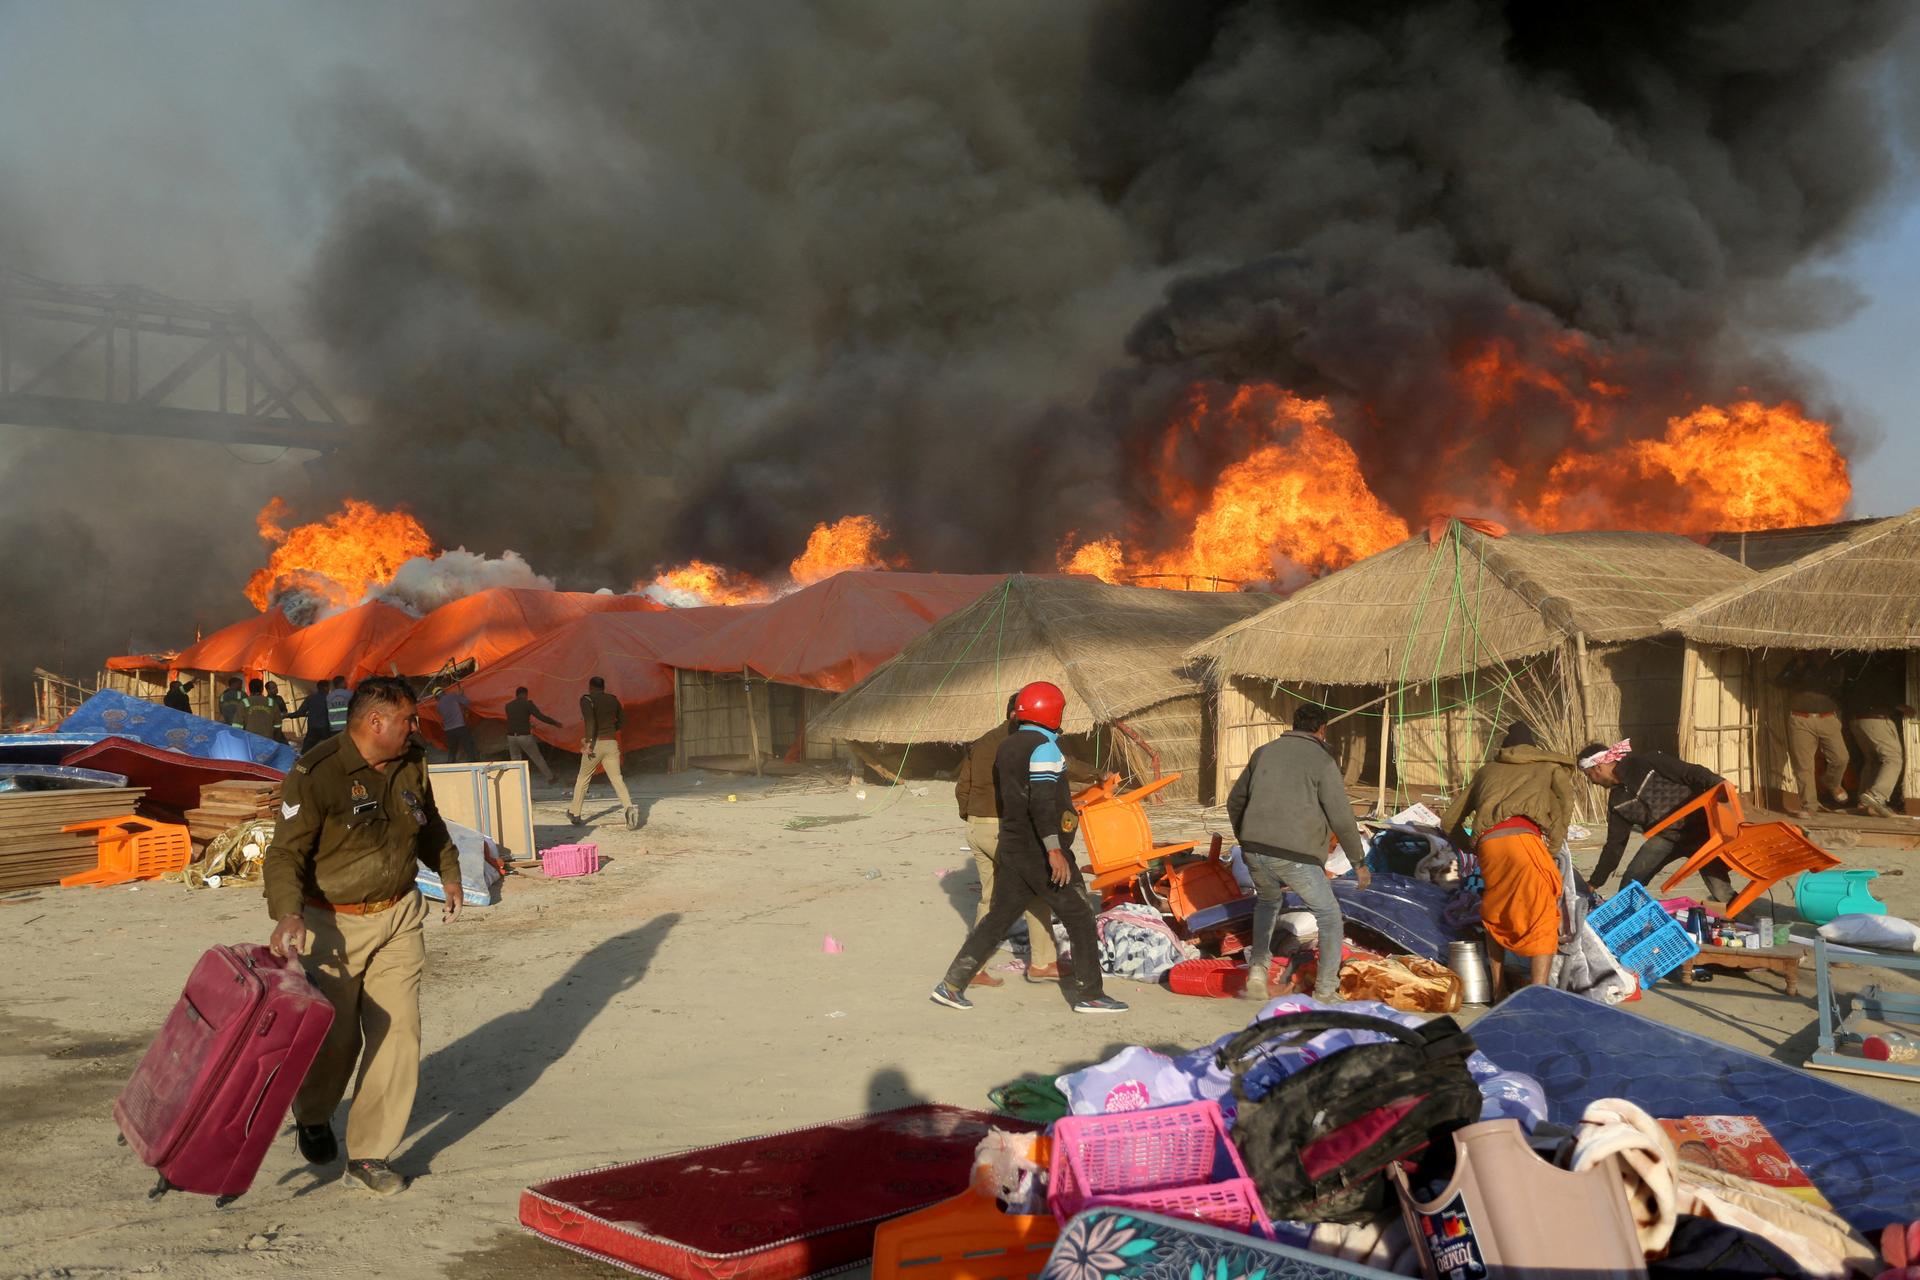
(184, 147)
(1872, 363)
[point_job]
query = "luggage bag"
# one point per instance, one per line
(215, 1085)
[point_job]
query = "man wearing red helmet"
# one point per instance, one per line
(1037, 822)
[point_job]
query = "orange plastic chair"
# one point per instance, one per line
(965, 1238)
(132, 848)
(1118, 837)
(1766, 852)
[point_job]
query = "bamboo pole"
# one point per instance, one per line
(753, 721)
(1386, 723)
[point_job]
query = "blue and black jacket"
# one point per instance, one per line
(1036, 806)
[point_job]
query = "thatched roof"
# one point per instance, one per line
(1860, 593)
(1764, 549)
(1427, 610)
(1114, 650)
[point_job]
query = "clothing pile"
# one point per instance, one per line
(1376, 1138)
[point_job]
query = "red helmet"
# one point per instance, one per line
(1040, 703)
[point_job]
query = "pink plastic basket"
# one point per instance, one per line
(1173, 1160)
(569, 860)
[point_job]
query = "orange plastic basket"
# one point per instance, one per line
(965, 1238)
(132, 848)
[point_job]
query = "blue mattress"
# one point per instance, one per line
(43, 748)
(113, 714)
(1409, 912)
(1859, 1151)
(58, 777)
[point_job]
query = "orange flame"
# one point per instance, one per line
(1742, 467)
(1297, 501)
(847, 543)
(708, 583)
(337, 559)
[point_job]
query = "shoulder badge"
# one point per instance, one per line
(1068, 821)
(303, 767)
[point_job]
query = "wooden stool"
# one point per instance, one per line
(1784, 961)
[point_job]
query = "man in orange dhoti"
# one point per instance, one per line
(1519, 806)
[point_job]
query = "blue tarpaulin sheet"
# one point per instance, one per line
(109, 713)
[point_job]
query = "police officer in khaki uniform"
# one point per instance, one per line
(356, 819)
(600, 748)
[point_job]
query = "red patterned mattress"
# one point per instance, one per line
(780, 1207)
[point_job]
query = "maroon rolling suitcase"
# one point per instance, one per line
(209, 1097)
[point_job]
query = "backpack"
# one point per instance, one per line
(1318, 1143)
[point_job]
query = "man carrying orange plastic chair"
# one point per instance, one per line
(1645, 787)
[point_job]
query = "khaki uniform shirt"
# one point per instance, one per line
(602, 714)
(346, 833)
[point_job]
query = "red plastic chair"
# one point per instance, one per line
(1765, 852)
(1118, 837)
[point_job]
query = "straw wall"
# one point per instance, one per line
(710, 717)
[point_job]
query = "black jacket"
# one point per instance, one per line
(1652, 785)
(1036, 804)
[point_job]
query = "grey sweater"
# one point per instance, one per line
(1290, 799)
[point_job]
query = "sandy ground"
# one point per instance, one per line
(681, 997)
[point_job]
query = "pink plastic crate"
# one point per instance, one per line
(570, 860)
(1176, 1160)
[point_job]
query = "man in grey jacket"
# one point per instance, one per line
(1286, 807)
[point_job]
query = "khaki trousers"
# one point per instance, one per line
(369, 967)
(1879, 740)
(524, 746)
(983, 835)
(604, 754)
(1811, 734)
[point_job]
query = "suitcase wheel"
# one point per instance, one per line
(120, 1139)
(160, 1188)
(221, 1202)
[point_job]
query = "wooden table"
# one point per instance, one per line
(1784, 961)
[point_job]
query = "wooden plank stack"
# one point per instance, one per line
(33, 849)
(225, 805)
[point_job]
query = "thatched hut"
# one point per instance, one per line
(1858, 598)
(1445, 639)
(1116, 651)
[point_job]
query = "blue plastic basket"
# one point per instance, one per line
(1641, 935)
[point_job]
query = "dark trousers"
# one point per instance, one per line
(1663, 850)
(1018, 879)
(460, 744)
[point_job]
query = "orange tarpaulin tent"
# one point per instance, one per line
(133, 663)
(831, 634)
(488, 625)
(334, 646)
(624, 648)
(238, 647)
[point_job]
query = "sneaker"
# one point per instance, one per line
(1099, 1004)
(1331, 997)
(946, 995)
(376, 1176)
(317, 1145)
(1257, 984)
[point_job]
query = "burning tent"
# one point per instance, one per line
(487, 626)
(1858, 597)
(335, 646)
(239, 650)
(625, 648)
(754, 686)
(143, 675)
(1459, 632)
(1117, 652)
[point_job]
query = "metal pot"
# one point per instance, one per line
(1469, 960)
